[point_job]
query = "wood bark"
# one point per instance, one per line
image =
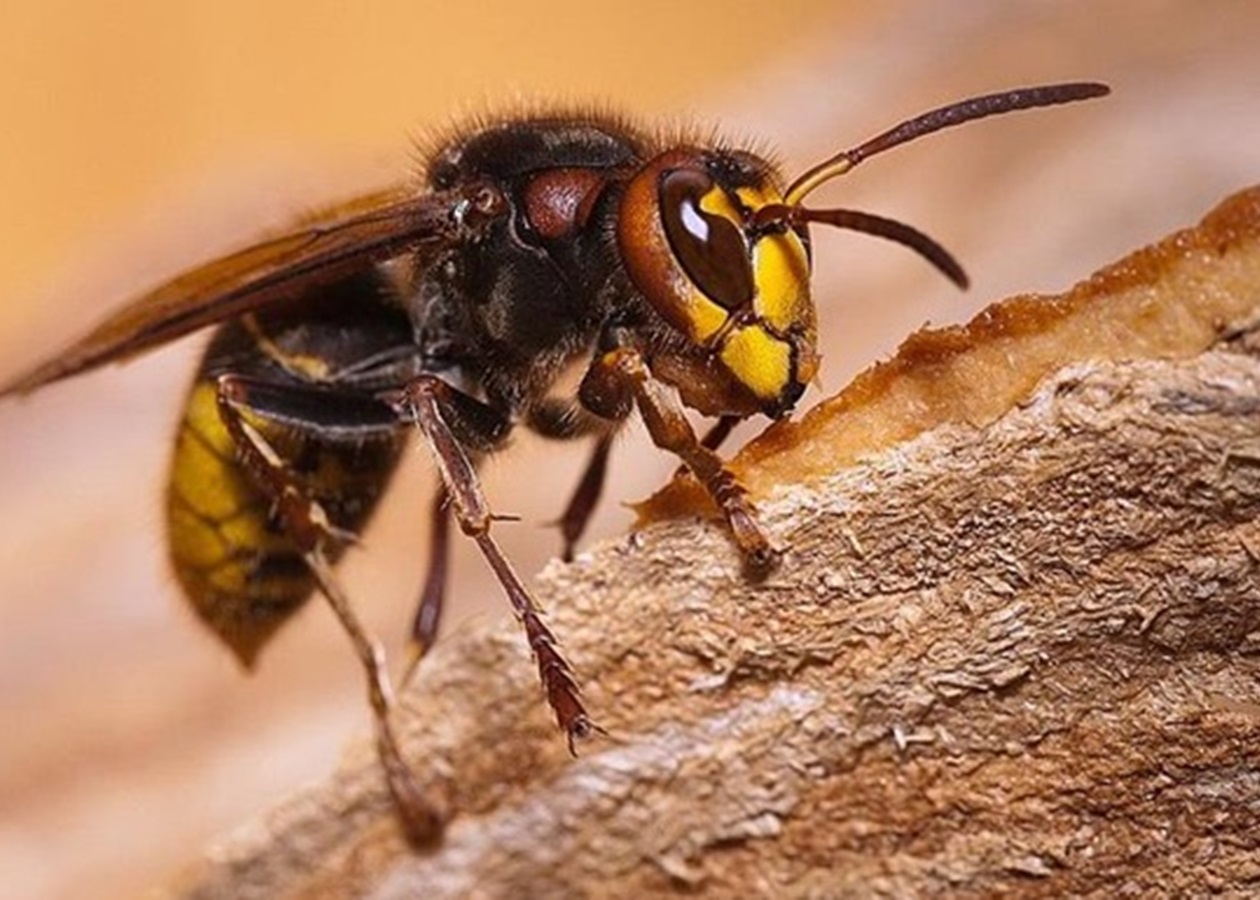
(1019, 655)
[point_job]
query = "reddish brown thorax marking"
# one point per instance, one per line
(559, 201)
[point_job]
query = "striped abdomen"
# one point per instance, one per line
(244, 576)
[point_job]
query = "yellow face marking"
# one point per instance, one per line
(704, 317)
(716, 202)
(780, 268)
(781, 275)
(762, 363)
(755, 198)
(781, 272)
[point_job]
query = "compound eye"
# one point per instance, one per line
(701, 226)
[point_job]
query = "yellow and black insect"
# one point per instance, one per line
(677, 275)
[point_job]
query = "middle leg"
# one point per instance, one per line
(441, 412)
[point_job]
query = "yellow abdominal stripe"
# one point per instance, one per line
(761, 362)
(203, 465)
(215, 513)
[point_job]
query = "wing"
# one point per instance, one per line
(324, 248)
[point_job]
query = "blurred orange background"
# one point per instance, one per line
(145, 137)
